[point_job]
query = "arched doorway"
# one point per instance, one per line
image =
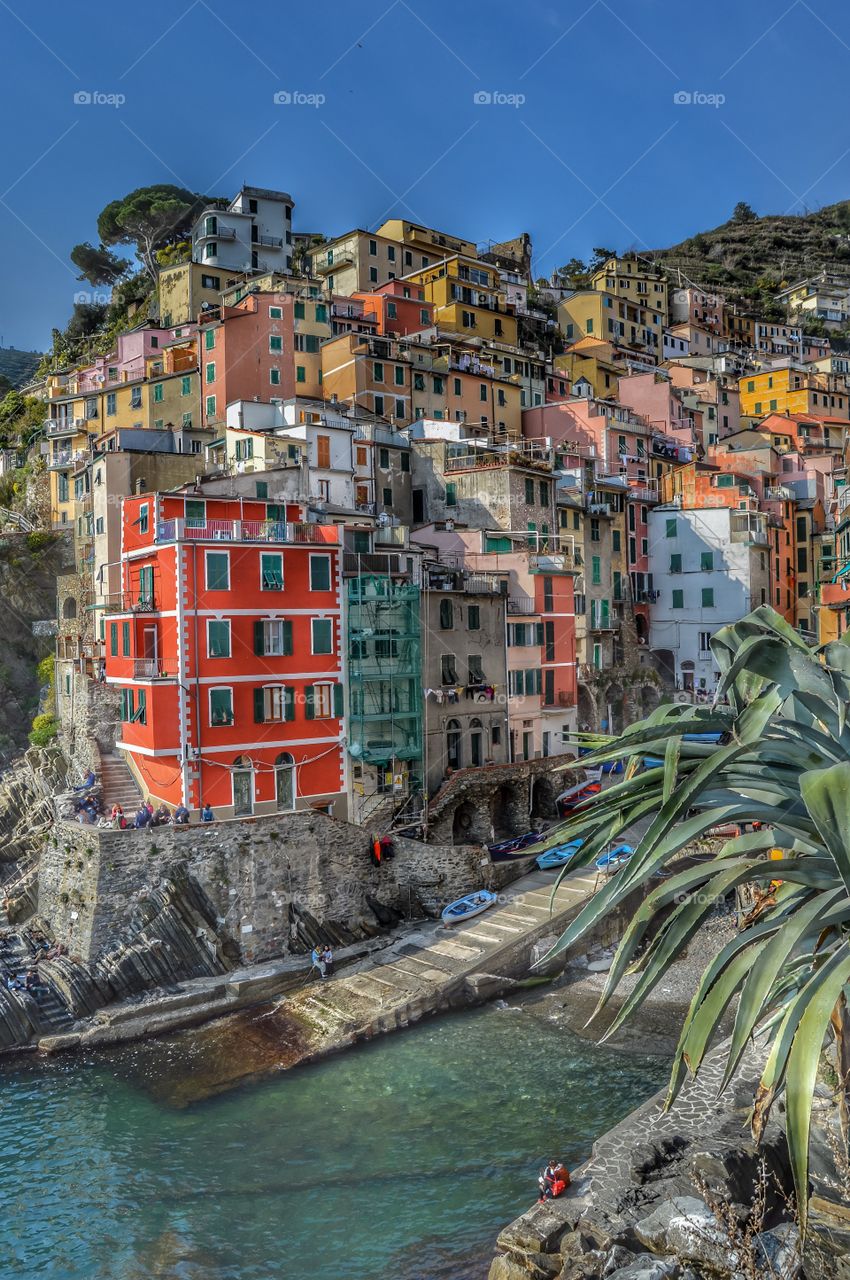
(476, 742)
(453, 751)
(284, 781)
(69, 608)
(504, 812)
(463, 821)
(242, 774)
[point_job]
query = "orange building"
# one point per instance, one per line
(399, 308)
(226, 649)
(246, 352)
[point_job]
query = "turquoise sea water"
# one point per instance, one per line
(402, 1159)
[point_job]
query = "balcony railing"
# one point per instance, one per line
(149, 669)
(269, 242)
(476, 584)
(181, 530)
(522, 606)
(64, 426)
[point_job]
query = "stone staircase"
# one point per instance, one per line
(118, 786)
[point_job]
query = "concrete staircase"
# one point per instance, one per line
(118, 786)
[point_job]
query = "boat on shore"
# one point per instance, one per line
(559, 855)
(614, 859)
(470, 905)
(505, 849)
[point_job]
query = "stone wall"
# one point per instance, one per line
(91, 879)
(89, 715)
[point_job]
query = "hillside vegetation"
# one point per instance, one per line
(749, 257)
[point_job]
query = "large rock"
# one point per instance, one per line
(778, 1251)
(645, 1267)
(686, 1228)
(540, 1230)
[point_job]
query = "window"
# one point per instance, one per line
(387, 497)
(373, 275)
(125, 639)
(322, 635)
(300, 373)
(708, 597)
(136, 398)
(544, 493)
(705, 642)
(706, 561)
(210, 406)
(384, 459)
(424, 315)
(446, 615)
(217, 570)
(418, 382)
(399, 375)
(323, 701)
(274, 702)
(210, 282)
(676, 562)
(221, 706)
(273, 638)
(404, 459)
(476, 668)
(678, 599)
(671, 528)
(378, 371)
(596, 571)
(218, 638)
(320, 573)
(594, 530)
(209, 372)
(438, 385)
(482, 392)
(529, 492)
(448, 669)
(274, 377)
(275, 344)
(144, 517)
(473, 618)
(111, 403)
(113, 639)
(373, 247)
(379, 404)
(451, 494)
(209, 339)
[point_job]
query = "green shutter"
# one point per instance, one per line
(539, 630)
(287, 639)
(309, 707)
(339, 703)
(259, 706)
(289, 704)
(259, 639)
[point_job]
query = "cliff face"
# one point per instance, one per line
(29, 565)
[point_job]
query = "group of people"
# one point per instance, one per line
(323, 960)
(88, 809)
(553, 1181)
(28, 979)
(147, 816)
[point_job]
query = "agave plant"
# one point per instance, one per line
(782, 760)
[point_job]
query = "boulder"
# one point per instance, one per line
(645, 1267)
(778, 1251)
(540, 1230)
(686, 1228)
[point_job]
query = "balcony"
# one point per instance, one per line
(750, 527)
(604, 625)
(247, 531)
(473, 584)
(552, 562)
(220, 233)
(524, 607)
(343, 259)
(268, 242)
(64, 426)
(150, 669)
(128, 602)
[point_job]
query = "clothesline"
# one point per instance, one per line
(453, 693)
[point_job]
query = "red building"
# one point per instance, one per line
(398, 307)
(226, 647)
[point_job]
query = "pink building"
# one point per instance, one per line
(247, 353)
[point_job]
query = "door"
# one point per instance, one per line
(149, 652)
(243, 792)
(284, 783)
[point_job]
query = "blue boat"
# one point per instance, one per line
(507, 848)
(616, 858)
(472, 905)
(559, 855)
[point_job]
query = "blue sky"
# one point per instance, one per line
(582, 143)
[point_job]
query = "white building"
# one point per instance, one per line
(709, 567)
(254, 233)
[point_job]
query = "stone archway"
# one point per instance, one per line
(69, 608)
(544, 788)
(463, 822)
(509, 810)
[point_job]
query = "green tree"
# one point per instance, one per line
(44, 730)
(100, 266)
(150, 218)
(783, 760)
(744, 212)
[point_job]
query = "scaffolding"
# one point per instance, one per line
(385, 681)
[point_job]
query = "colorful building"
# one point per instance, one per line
(226, 647)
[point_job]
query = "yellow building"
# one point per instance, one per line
(185, 289)
(591, 313)
(635, 281)
(465, 294)
(793, 390)
(238, 449)
(595, 362)
(73, 416)
(357, 261)
(419, 240)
